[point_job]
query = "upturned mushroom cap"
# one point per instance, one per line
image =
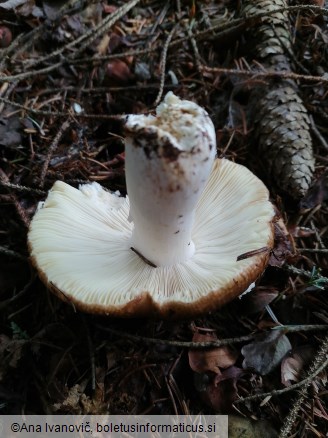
(80, 244)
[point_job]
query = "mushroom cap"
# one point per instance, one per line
(80, 244)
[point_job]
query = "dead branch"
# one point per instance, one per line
(52, 148)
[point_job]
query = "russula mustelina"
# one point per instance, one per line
(170, 247)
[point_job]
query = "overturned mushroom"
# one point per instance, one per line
(170, 247)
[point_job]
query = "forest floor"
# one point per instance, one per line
(68, 70)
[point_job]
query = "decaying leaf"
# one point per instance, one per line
(12, 4)
(222, 396)
(77, 402)
(230, 373)
(293, 364)
(10, 132)
(218, 391)
(118, 70)
(202, 361)
(282, 245)
(282, 126)
(266, 352)
(5, 37)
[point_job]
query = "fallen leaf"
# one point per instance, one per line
(10, 135)
(230, 373)
(103, 45)
(282, 245)
(12, 4)
(29, 8)
(118, 70)
(109, 9)
(222, 396)
(5, 36)
(52, 9)
(294, 363)
(202, 361)
(266, 352)
(78, 403)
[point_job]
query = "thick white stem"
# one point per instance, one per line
(168, 161)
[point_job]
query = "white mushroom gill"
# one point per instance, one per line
(168, 162)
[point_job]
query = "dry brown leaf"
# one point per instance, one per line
(282, 245)
(5, 37)
(202, 361)
(103, 45)
(230, 373)
(222, 396)
(118, 70)
(78, 403)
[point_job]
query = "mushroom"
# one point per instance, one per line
(170, 247)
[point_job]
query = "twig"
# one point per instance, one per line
(199, 35)
(319, 364)
(163, 65)
(90, 34)
(10, 253)
(105, 25)
(22, 188)
(23, 41)
(22, 292)
(102, 90)
(317, 235)
(60, 113)
(307, 274)
(266, 74)
(184, 344)
(52, 148)
(194, 47)
(20, 210)
(210, 344)
(305, 382)
(315, 250)
(29, 74)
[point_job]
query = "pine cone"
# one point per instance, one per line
(273, 34)
(284, 141)
(282, 126)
